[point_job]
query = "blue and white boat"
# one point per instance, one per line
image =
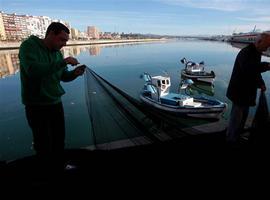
(156, 94)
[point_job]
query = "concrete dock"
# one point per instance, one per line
(16, 45)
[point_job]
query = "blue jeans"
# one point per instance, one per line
(237, 122)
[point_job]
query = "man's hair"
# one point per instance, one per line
(263, 36)
(266, 32)
(56, 28)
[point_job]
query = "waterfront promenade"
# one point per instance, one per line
(16, 45)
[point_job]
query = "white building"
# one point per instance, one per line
(2, 28)
(37, 25)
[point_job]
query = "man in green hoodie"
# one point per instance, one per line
(42, 67)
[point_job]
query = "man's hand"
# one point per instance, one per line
(72, 61)
(78, 71)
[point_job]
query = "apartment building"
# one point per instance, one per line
(15, 27)
(93, 32)
(2, 28)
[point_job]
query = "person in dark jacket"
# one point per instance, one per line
(42, 67)
(245, 80)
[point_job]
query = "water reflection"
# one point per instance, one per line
(9, 63)
(198, 88)
(74, 51)
(9, 59)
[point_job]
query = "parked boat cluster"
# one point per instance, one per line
(156, 93)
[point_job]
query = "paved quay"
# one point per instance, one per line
(16, 45)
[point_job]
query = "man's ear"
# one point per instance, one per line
(51, 33)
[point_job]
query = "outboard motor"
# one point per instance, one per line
(151, 91)
(185, 83)
(183, 60)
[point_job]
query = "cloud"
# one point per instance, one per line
(222, 5)
(250, 27)
(257, 19)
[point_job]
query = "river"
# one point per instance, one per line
(122, 65)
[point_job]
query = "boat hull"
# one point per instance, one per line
(207, 112)
(200, 77)
(244, 37)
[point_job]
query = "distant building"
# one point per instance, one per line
(2, 28)
(83, 36)
(15, 26)
(19, 27)
(93, 32)
(37, 25)
(106, 35)
(74, 33)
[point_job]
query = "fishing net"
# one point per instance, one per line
(119, 120)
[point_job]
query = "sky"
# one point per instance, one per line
(163, 17)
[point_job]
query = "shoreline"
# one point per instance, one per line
(16, 45)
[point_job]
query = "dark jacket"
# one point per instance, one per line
(246, 77)
(41, 71)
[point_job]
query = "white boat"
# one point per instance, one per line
(196, 72)
(156, 94)
(244, 37)
(248, 37)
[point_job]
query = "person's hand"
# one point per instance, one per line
(78, 71)
(263, 88)
(72, 61)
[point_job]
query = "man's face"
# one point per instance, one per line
(268, 42)
(59, 40)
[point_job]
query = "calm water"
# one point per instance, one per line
(122, 65)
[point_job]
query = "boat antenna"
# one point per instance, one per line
(254, 28)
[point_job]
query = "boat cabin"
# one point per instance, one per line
(160, 91)
(194, 67)
(162, 83)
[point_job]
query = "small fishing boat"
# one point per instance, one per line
(196, 72)
(156, 94)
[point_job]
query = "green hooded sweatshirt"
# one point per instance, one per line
(41, 71)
